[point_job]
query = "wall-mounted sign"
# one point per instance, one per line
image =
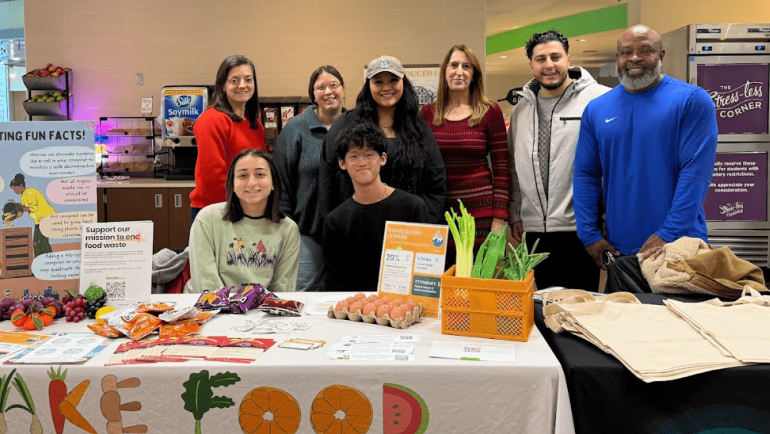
(738, 190)
(740, 95)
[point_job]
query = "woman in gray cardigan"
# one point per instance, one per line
(297, 154)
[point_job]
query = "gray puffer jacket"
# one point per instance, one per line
(529, 203)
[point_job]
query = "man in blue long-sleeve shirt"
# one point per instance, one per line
(647, 150)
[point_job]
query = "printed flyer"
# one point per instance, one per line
(47, 190)
(118, 257)
(413, 259)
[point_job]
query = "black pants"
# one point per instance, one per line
(568, 264)
(625, 274)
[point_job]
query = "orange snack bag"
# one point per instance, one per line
(154, 308)
(179, 328)
(202, 317)
(135, 325)
(102, 329)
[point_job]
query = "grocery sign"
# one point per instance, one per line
(740, 95)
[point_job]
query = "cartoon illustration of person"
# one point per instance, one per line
(36, 205)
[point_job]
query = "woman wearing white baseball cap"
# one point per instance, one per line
(414, 162)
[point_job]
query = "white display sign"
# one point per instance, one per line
(118, 257)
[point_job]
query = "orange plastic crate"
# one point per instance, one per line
(487, 308)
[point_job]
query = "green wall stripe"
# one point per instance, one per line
(600, 20)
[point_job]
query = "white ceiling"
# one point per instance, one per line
(504, 15)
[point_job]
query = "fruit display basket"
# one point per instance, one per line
(47, 83)
(487, 308)
(57, 108)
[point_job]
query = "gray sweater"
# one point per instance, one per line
(296, 155)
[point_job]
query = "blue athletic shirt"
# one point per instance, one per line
(650, 156)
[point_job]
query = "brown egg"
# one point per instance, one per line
(412, 304)
(355, 307)
(359, 296)
(380, 302)
(383, 310)
(398, 312)
(342, 304)
(397, 302)
(370, 309)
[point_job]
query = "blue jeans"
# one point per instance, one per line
(311, 264)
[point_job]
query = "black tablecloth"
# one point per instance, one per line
(607, 398)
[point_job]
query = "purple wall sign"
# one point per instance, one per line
(740, 95)
(738, 190)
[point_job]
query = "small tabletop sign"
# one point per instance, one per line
(413, 258)
(147, 106)
(118, 257)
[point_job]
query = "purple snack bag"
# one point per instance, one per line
(249, 296)
(218, 299)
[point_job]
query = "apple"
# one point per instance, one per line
(59, 98)
(66, 69)
(48, 65)
(57, 93)
(54, 74)
(51, 69)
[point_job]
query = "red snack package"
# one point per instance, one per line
(179, 328)
(281, 307)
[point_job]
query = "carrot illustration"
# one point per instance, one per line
(69, 411)
(57, 390)
(34, 427)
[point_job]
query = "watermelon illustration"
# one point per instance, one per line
(403, 411)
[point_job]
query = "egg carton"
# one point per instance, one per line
(411, 317)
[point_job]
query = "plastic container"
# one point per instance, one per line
(487, 308)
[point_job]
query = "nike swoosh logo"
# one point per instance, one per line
(606, 121)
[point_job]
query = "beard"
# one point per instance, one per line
(556, 85)
(640, 82)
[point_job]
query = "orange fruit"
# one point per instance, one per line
(18, 317)
(267, 410)
(341, 409)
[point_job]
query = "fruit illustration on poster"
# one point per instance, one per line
(269, 410)
(338, 409)
(403, 411)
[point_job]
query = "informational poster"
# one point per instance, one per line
(413, 259)
(47, 191)
(738, 190)
(118, 257)
(740, 95)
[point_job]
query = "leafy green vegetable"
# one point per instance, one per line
(491, 253)
(199, 398)
(94, 292)
(519, 261)
(463, 230)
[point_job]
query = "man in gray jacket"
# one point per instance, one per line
(545, 125)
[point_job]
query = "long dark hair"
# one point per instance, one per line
(219, 98)
(314, 76)
(410, 153)
(233, 209)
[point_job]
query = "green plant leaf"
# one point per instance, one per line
(224, 379)
(197, 394)
(221, 402)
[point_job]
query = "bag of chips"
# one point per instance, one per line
(249, 296)
(216, 299)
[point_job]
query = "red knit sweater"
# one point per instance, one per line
(484, 192)
(219, 140)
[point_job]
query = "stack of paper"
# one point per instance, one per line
(375, 348)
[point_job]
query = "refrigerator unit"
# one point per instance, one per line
(732, 63)
(180, 108)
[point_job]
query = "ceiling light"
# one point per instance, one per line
(503, 57)
(581, 40)
(15, 59)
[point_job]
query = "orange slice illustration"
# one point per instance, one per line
(341, 410)
(267, 410)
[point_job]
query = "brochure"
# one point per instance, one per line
(473, 351)
(413, 258)
(11, 342)
(62, 348)
(118, 257)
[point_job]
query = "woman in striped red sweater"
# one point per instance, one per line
(470, 131)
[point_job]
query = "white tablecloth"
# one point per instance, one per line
(528, 396)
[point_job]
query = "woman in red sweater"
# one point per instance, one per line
(229, 125)
(469, 128)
